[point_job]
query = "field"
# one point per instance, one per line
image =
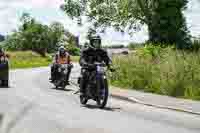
(165, 71)
(29, 59)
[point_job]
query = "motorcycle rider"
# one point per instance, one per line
(93, 53)
(2, 52)
(61, 57)
(4, 69)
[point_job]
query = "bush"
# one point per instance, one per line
(115, 46)
(160, 70)
(27, 59)
(133, 46)
(73, 51)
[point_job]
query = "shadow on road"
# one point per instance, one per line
(106, 108)
(1, 118)
(5, 87)
(61, 89)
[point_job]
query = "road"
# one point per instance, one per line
(33, 105)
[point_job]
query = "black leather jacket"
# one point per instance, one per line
(89, 56)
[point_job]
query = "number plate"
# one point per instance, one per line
(64, 65)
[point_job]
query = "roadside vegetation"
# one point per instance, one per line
(30, 59)
(166, 71)
(27, 59)
(33, 43)
(32, 35)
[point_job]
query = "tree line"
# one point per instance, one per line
(164, 18)
(35, 36)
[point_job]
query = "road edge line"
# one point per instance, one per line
(135, 100)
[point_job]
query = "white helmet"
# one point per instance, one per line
(61, 50)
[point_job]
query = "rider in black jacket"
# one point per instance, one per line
(94, 53)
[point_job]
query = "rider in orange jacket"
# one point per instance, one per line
(61, 57)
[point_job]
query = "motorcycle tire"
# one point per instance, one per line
(5, 83)
(102, 102)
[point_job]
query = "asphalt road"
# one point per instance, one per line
(33, 105)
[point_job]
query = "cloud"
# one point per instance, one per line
(48, 11)
(46, 3)
(192, 17)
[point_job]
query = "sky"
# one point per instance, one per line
(47, 11)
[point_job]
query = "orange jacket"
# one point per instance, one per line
(63, 60)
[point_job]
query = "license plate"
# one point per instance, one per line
(64, 65)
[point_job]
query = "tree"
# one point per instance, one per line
(164, 18)
(32, 35)
(168, 24)
(56, 31)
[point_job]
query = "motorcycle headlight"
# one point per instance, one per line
(64, 65)
(65, 71)
(59, 70)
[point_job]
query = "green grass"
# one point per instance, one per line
(75, 58)
(29, 59)
(160, 70)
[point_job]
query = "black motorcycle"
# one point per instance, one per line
(97, 86)
(61, 76)
(4, 71)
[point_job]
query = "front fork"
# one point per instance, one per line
(100, 84)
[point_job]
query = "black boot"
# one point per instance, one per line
(67, 82)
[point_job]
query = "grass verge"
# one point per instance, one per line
(160, 70)
(29, 59)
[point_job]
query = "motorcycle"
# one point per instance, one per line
(4, 71)
(96, 87)
(61, 78)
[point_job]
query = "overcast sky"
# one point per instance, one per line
(47, 11)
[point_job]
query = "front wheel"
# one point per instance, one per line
(83, 100)
(104, 92)
(63, 85)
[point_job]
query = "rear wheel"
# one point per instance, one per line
(103, 96)
(5, 83)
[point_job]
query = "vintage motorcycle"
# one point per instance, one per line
(4, 71)
(97, 85)
(61, 78)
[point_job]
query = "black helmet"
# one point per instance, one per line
(95, 42)
(62, 50)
